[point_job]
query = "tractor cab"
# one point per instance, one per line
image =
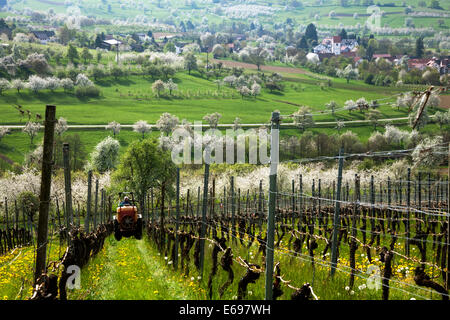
(127, 221)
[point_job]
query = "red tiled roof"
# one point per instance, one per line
(382, 55)
(337, 39)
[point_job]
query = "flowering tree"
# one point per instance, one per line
(167, 123)
(207, 40)
(405, 101)
(83, 81)
(442, 118)
(212, 119)
(171, 86)
(3, 132)
(218, 50)
(190, 61)
(257, 55)
(230, 80)
(374, 116)
(434, 100)
(142, 126)
(348, 73)
(105, 155)
(237, 124)
(53, 83)
(256, 89)
(350, 105)
(158, 86)
(18, 84)
(395, 135)
(114, 127)
(425, 154)
(303, 118)
(61, 126)
(332, 105)
(36, 83)
(340, 125)
(362, 105)
(67, 84)
(32, 129)
(4, 85)
(244, 91)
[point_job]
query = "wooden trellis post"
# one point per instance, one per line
(96, 204)
(274, 149)
(67, 184)
(336, 220)
(300, 203)
(233, 231)
(175, 260)
(204, 209)
(89, 200)
(293, 204)
(408, 204)
(44, 198)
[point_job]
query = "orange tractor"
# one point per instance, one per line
(127, 221)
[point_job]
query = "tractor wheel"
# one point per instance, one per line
(138, 232)
(117, 233)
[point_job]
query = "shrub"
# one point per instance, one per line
(91, 92)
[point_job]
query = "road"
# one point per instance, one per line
(220, 125)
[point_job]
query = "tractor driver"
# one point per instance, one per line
(125, 202)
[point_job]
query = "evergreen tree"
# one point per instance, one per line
(72, 53)
(343, 34)
(303, 43)
(419, 47)
(311, 32)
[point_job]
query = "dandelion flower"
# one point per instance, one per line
(347, 288)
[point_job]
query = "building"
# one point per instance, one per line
(44, 36)
(336, 45)
(109, 43)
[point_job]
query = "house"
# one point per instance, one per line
(382, 55)
(336, 45)
(44, 36)
(229, 47)
(420, 64)
(444, 66)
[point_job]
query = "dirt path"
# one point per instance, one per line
(445, 101)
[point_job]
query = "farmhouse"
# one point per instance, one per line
(44, 36)
(108, 44)
(336, 45)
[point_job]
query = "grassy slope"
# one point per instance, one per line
(129, 99)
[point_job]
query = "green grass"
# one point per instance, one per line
(130, 99)
(132, 269)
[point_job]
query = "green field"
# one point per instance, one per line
(129, 99)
